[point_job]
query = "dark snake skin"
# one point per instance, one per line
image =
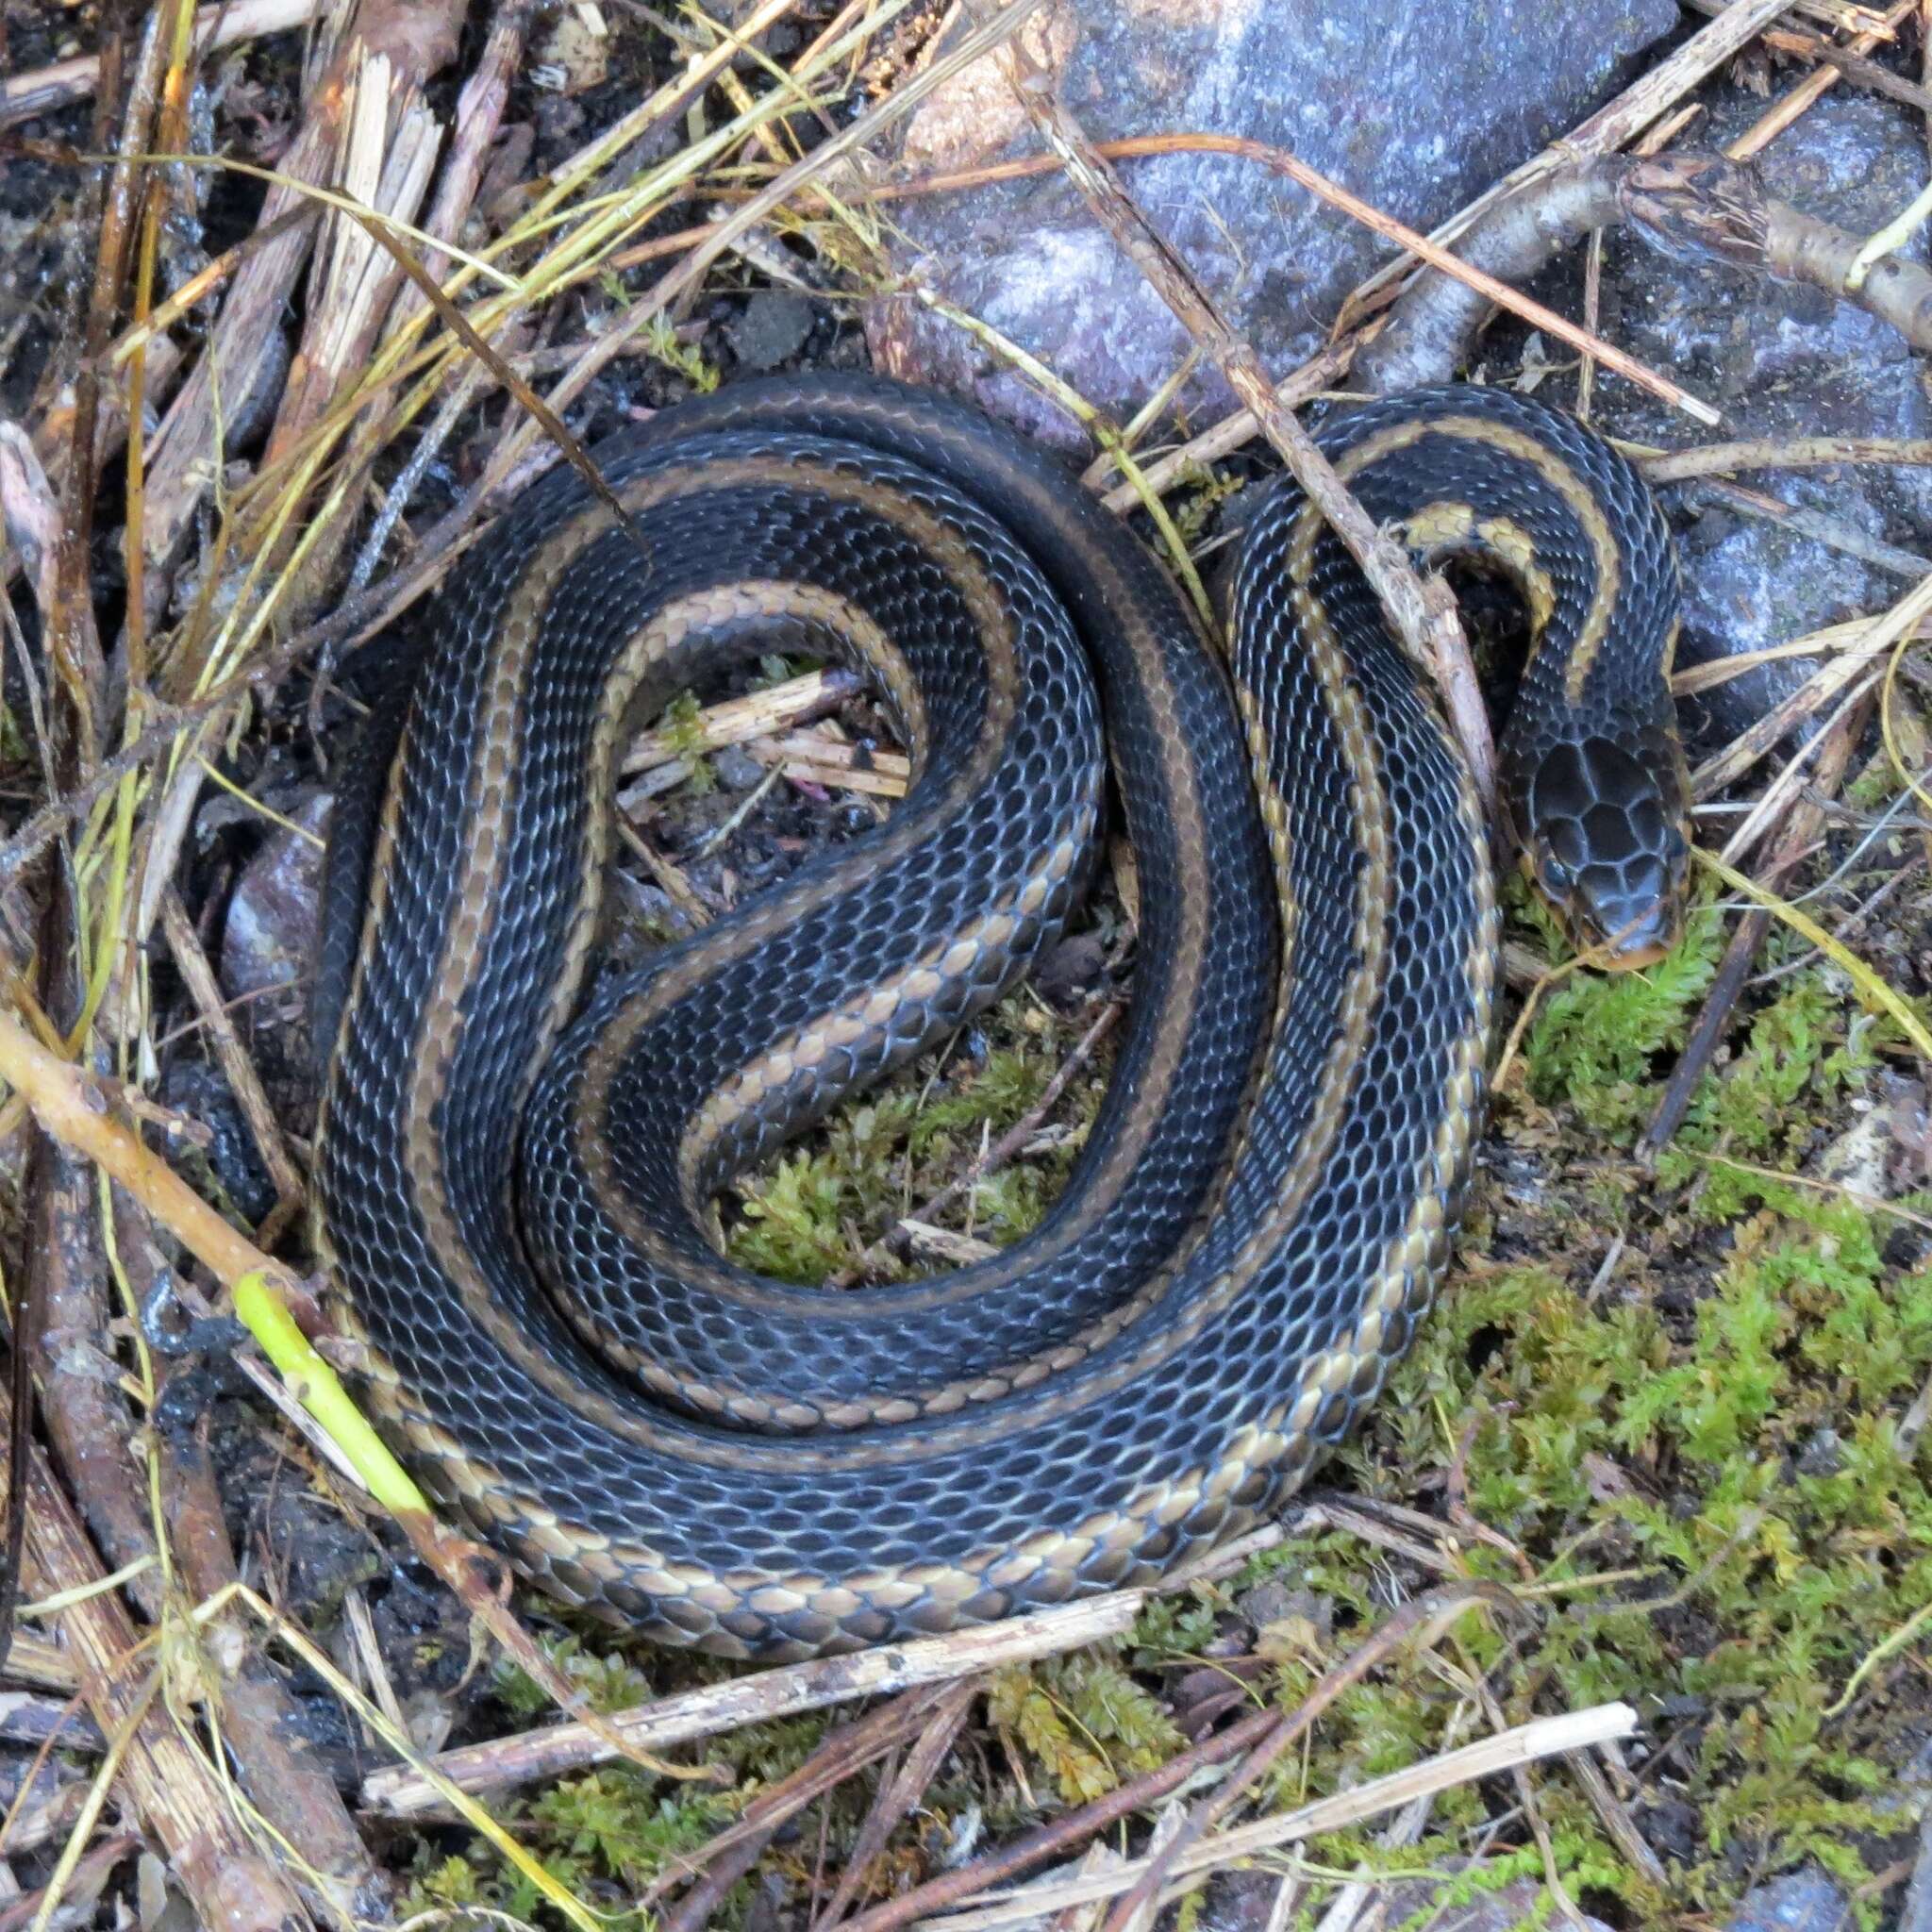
(517, 1157)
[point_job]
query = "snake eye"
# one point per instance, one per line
(1556, 877)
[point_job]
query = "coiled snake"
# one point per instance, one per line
(517, 1154)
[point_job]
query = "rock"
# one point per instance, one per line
(1409, 103)
(771, 329)
(1241, 1902)
(1275, 1601)
(268, 937)
(1824, 1454)
(737, 770)
(1070, 970)
(1780, 361)
(268, 954)
(1805, 1901)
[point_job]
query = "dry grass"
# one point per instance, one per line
(237, 589)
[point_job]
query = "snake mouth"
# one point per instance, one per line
(1643, 938)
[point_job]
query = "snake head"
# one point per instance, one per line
(1606, 845)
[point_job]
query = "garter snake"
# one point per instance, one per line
(518, 1151)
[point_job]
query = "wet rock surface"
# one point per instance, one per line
(268, 940)
(270, 930)
(1803, 1901)
(1416, 107)
(1780, 362)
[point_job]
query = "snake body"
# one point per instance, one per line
(517, 1154)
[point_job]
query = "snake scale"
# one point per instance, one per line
(518, 1150)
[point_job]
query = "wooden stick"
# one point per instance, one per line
(72, 1109)
(27, 96)
(198, 976)
(1578, 337)
(172, 1786)
(1281, 160)
(1797, 452)
(1815, 48)
(1612, 126)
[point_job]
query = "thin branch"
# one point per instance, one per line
(45, 90)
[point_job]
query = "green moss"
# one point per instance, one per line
(1741, 1457)
(683, 729)
(610, 1681)
(1084, 1720)
(1595, 1036)
(817, 1209)
(663, 342)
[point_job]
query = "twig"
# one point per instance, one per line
(244, 1081)
(478, 116)
(413, 42)
(733, 1851)
(85, 1884)
(734, 721)
(897, 1798)
(1617, 1819)
(37, 1660)
(814, 758)
(1421, 1619)
(1925, 58)
(1487, 286)
(1806, 45)
(1797, 452)
(1774, 803)
(1835, 533)
(76, 696)
(1616, 123)
(70, 1109)
(1683, 204)
(784, 1691)
(1612, 126)
(1832, 677)
(172, 1786)
(42, 90)
(389, 147)
(1072, 1828)
(88, 1423)
(261, 1723)
(1280, 160)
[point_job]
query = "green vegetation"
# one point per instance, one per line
(813, 1214)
